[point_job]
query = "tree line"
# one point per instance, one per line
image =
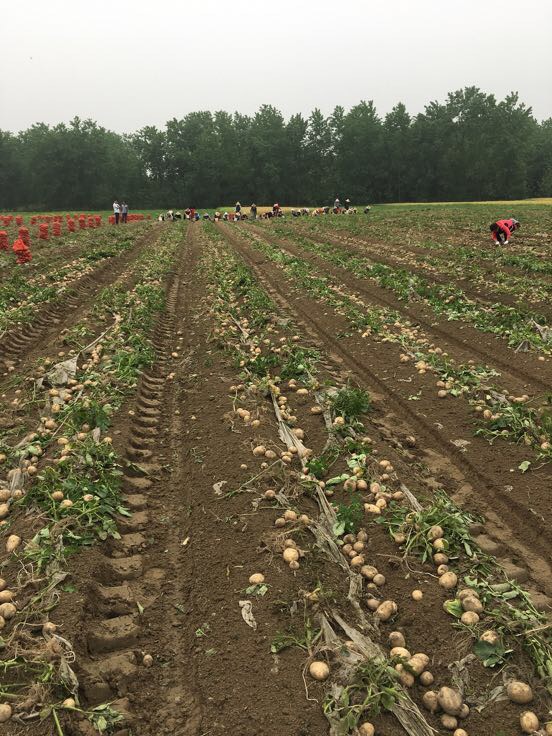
(469, 147)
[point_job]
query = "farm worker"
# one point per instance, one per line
(347, 204)
(124, 212)
(501, 230)
(21, 251)
(3, 240)
(116, 211)
(275, 209)
(225, 217)
(253, 211)
(337, 206)
(192, 213)
(238, 208)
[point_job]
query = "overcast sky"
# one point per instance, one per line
(131, 63)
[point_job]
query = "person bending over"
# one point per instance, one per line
(501, 230)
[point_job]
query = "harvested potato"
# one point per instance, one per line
(6, 596)
(290, 554)
(319, 671)
(12, 542)
(417, 595)
(5, 712)
(450, 700)
(469, 603)
(366, 729)
(7, 610)
(396, 639)
(529, 722)
(386, 610)
(400, 652)
(426, 679)
(431, 701)
(448, 581)
(449, 722)
(469, 618)
(257, 578)
(519, 692)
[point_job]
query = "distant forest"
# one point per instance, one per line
(471, 147)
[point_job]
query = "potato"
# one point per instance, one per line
(396, 639)
(472, 604)
(373, 604)
(469, 618)
(366, 730)
(69, 703)
(490, 636)
(386, 610)
(319, 671)
(290, 515)
(440, 559)
(417, 595)
(7, 610)
(6, 596)
(431, 701)
(3, 584)
(460, 732)
(4, 510)
(2, 622)
(529, 722)
(519, 692)
(400, 652)
(5, 712)
(450, 700)
(418, 663)
(449, 722)
(290, 554)
(426, 678)
(405, 678)
(257, 578)
(467, 593)
(379, 580)
(464, 711)
(368, 571)
(13, 542)
(448, 581)
(436, 532)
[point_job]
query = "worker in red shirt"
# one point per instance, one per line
(501, 230)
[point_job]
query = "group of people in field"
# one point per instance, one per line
(120, 211)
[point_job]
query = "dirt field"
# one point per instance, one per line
(283, 477)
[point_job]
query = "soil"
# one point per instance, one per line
(171, 586)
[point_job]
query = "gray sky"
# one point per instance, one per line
(129, 63)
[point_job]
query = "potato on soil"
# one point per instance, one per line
(450, 700)
(319, 671)
(400, 652)
(5, 712)
(396, 639)
(448, 581)
(519, 692)
(417, 595)
(469, 618)
(529, 722)
(366, 729)
(469, 603)
(257, 578)
(290, 554)
(426, 679)
(13, 542)
(431, 701)
(449, 722)
(6, 596)
(386, 610)
(7, 610)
